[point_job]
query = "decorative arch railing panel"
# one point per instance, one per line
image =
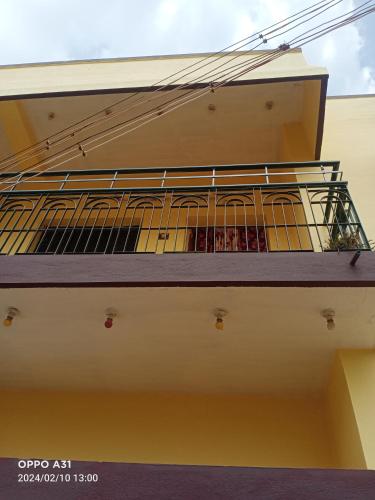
(267, 217)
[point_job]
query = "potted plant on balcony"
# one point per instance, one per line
(346, 240)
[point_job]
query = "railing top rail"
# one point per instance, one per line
(241, 166)
(262, 186)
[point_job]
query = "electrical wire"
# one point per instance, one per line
(266, 58)
(222, 53)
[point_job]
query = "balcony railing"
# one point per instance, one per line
(229, 208)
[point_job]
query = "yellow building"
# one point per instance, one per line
(248, 208)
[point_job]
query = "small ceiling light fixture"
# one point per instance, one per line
(11, 313)
(329, 315)
(110, 315)
(220, 315)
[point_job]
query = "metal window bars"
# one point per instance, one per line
(228, 208)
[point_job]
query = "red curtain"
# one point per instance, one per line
(220, 239)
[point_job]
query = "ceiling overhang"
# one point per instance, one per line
(275, 340)
(271, 114)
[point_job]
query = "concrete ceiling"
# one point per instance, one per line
(274, 341)
(240, 130)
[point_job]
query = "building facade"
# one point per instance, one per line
(193, 285)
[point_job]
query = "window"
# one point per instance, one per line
(80, 240)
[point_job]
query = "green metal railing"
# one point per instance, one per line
(260, 208)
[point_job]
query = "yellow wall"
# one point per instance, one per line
(352, 408)
(166, 428)
(349, 137)
(359, 369)
(343, 420)
(139, 72)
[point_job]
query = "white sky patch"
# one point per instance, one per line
(368, 79)
(245, 27)
(277, 10)
(48, 30)
(328, 50)
(166, 14)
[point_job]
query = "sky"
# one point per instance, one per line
(56, 30)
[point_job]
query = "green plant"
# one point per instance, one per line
(345, 241)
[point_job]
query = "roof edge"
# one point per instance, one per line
(138, 58)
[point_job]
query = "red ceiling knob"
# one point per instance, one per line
(108, 323)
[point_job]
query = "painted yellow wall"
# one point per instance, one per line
(166, 428)
(16, 127)
(343, 420)
(349, 137)
(139, 72)
(351, 401)
(359, 370)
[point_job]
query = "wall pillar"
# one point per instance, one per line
(352, 408)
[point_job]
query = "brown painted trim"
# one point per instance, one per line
(322, 111)
(130, 90)
(188, 270)
(187, 482)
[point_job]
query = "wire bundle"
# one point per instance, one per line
(168, 95)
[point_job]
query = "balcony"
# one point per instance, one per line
(294, 207)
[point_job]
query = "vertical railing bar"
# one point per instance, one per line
(12, 229)
(130, 227)
(215, 222)
(93, 226)
(104, 225)
(187, 226)
(208, 211)
(196, 229)
(163, 178)
(285, 225)
(30, 220)
(114, 179)
(256, 219)
(8, 232)
(266, 174)
(177, 225)
(264, 219)
(305, 217)
(45, 231)
(235, 225)
(62, 186)
(37, 229)
(274, 225)
(225, 225)
(83, 201)
(90, 210)
(68, 224)
(171, 201)
(161, 217)
(58, 226)
(140, 228)
(356, 218)
(297, 225)
(311, 206)
(322, 169)
(113, 225)
(121, 224)
(150, 224)
(244, 205)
